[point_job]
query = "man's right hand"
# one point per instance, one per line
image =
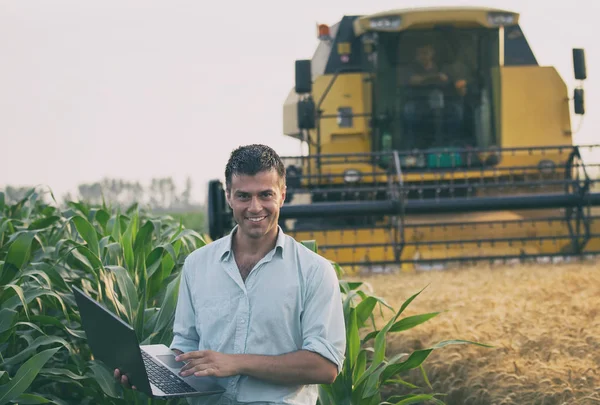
(123, 379)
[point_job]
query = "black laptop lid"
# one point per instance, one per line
(112, 340)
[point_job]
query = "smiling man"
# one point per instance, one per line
(256, 308)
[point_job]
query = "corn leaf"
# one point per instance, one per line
(127, 289)
(18, 254)
(100, 373)
(40, 341)
(353, 339)
(412, 321)
(88, 233)
(30, 399)
(25, 376)
(8, 317)
(167, 309)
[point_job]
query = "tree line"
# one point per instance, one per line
(159, 194)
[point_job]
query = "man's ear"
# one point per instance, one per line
(283, 193)
(228, 197)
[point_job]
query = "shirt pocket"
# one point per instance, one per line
(213, 318)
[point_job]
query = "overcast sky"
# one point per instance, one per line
(141, 89)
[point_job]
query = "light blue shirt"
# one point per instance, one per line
(290, 301)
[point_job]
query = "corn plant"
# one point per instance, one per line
(128, 261)
(366, 368)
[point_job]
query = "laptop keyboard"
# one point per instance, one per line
(164, 378)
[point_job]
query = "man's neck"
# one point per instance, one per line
(255, 247)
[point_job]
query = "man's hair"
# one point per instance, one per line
(252, 159)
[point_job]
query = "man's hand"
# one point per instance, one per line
(123, 379)
(208, 363)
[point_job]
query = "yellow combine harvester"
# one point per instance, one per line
(433, 135)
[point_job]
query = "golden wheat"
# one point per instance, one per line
(542, 320)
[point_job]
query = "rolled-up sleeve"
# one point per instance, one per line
(323, 327)
(185, 336)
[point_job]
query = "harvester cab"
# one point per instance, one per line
(433, 135)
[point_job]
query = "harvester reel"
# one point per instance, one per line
(577, 182)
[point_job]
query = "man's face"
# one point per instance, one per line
(255, 202)
(425, 54)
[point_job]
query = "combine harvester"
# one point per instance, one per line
(433, 136)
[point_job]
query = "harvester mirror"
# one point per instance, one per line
(579, 101)
(306, 114)
(303, 76)
(579, 66)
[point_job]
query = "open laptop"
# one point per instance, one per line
(152, 369)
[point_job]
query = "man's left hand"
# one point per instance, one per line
(208, 363)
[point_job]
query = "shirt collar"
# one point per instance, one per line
(226, 250)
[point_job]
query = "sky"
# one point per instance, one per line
(137, 89)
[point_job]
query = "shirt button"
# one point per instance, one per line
(243, 321)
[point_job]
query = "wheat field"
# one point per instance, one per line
(541, 319)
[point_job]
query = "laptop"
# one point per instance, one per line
(152, 369)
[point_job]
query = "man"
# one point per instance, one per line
(428, 96)
(257, 309)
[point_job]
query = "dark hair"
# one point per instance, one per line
(252, 159)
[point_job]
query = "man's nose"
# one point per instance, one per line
(255, 205)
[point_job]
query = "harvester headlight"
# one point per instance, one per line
(351, 176)
(546, 166)
(498, 19)
(385, 23)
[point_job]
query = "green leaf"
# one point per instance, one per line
(127, 288)
(21, 298)
(167, 309)
(127, 243)
(40, 341)
(88, 233)
(311, 245)
(100, 373)
(8, 318)
(81, 207)
(25, 376)
(415, 399)
(18, 254)
(360, 366)
(353, 339)
(102, 217)
(32, 294)
(43, 223)
(380, 340)
(48, 320)
(425, 378)
(24, 399)
(459, 342)
(2, 201)
(402, 382)
(365, 309)
(63, 372)
(412, 321)
(143, 237)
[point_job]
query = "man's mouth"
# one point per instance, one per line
(256, 219)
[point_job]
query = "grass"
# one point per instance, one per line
(542, 320)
